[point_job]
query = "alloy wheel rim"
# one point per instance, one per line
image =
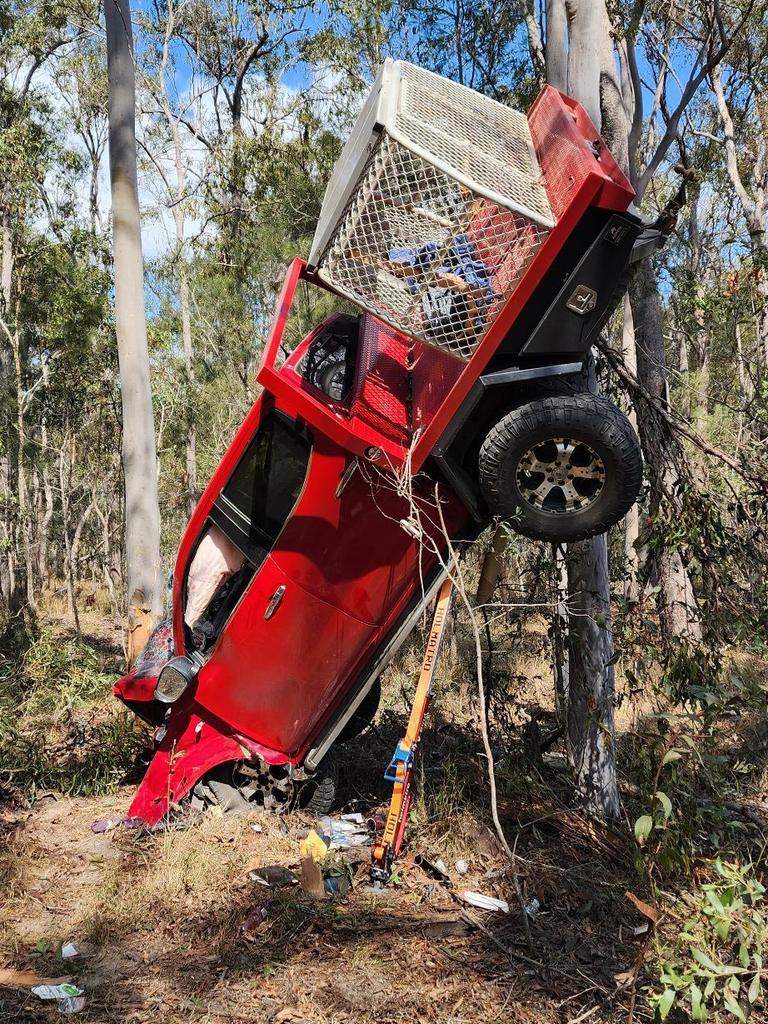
(560, 474)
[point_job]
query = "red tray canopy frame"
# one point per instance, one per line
(579, 172)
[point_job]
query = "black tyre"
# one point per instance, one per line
(561, 468)
(317, 794)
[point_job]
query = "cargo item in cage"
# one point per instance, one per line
(443, 182)
(464, 290)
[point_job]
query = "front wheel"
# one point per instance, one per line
(561, 468)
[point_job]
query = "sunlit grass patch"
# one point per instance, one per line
(60, 727)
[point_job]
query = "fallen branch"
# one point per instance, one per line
(673, 419)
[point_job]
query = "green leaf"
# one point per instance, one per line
(733, 1007)
(744, 954)
(666, 803)
(665, 1002)
(701, 958)
(643, 828)
(672, 755)
(754, 989)
(715, 900)
(698, 1009)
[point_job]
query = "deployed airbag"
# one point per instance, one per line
(216, 560)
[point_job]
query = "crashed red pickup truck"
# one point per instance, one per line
(475, 253)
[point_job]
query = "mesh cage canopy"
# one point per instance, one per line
(443, 217)
(468, 133)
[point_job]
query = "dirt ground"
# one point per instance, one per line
(169, 924)
(173, 927)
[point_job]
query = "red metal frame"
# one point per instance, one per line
(595, 182)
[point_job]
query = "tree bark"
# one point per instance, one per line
(66, 463)
(22, 520)
(590, 722)
(632, 520)
(142, 526)
(8, 583)
(586, 20)
(679, 613)
(557, 45)
(43, 569)
(590, 643)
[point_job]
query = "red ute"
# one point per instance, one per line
(325, 529)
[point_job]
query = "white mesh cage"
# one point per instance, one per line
(435, 210)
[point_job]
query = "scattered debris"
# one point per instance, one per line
(275, 876)
(532, 907)
(345, 831)
(313, 847)
(106, 824)
(483, 902)
(69, 950)
(254, 920)
(312, 877)
(436, 869)
(74, 1004)
(256, 828)
(69, 997)
(462, 867)
(65, 991)
(337, 885)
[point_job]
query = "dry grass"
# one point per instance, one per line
(161, 921)
(166, 920)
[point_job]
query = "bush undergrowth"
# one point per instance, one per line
(60, 728)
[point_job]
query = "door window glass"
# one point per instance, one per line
(268, 479)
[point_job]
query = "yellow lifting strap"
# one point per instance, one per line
(401, 767)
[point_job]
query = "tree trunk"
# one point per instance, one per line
(679, 613)
(8, 582)
(590, 724)
(142, 527)
(590, 644)
(557, 45)
(106, 556)
(22, 524)
(560, 636)
(585, 21)
(66, 462)
(632, 521)
(43, 569)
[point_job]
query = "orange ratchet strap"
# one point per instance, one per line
(400, 770)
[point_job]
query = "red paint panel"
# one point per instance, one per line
(383, 379)
(190, 748)
(274, 679)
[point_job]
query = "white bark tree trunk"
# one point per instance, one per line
(632, 521)
(8, 585)
(590, 643)
(142, 527)
(556, 54)
(680, 616)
